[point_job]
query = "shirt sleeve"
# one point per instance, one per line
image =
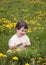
(11, 41)
(27, 40)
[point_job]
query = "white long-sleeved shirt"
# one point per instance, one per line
(15, 40)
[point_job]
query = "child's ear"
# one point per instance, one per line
(16, 29)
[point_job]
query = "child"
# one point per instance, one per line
(20, 40)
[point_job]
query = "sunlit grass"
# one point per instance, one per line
(34, 13)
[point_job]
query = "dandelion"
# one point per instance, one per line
(26, 63)
(4, 56)
(8, 26)
(29, 30)
(15, 58)
(18, 50)
(38, 55)
(14, 18)
(43, 63)
(26, 21)
(3, 18)
(9, 51)
(38, 24)
(38, 61)
(40, 58)
(32, 22)
(1, 54)
(35, 28)
(14, 24)
(32, 59)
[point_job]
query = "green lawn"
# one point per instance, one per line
(32, 11)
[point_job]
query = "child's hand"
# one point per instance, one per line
(27, 45)
(19, 44)
(14, 47)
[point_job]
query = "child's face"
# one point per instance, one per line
(21, 31)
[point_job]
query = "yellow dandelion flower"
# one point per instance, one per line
(18, 50)
(38, 24)
(1, 54)
(35, 28)
(43, 63)
(32, 59)
(14, 18)
(15, 58)
(29, 30)
(40, 58)
(3, 18)
(38, 55)
(14, 24)
(26, 63)
(8, 21)
(9, 51)
(32, 22)
(26, 21)
(4, 56)
(9, 26)
(38, 61)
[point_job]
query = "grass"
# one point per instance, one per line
(29, 11)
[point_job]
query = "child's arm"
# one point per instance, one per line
(14, 47)
(27, 42)
(27, 45)
(19, 44)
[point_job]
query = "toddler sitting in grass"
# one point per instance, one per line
(19, 40)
